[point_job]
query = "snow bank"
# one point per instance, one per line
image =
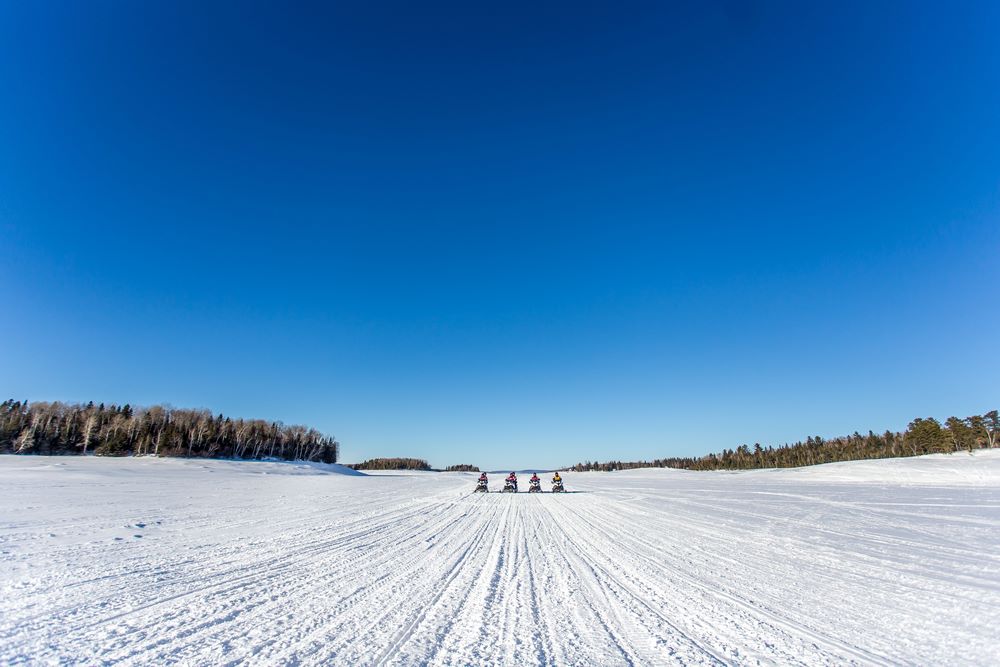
(151, 464)
(980, 468)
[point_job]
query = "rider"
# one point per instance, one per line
(534, 479)
(556, 479)
(512, 478)
(482, 477)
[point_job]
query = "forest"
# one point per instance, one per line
(112, 430)
(922, 436)
(392, 464)
(408, 464)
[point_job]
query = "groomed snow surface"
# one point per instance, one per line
(140, 561)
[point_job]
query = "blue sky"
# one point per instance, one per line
(511, 235)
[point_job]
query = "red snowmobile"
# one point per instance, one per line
(482, 486)
(534, 484)
(510, 484)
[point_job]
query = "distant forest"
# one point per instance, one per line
(408, 464)
(392, 464)
(61, 428)
(922, 436)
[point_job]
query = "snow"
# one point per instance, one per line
(143, 561)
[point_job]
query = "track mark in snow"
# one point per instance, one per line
(645, 567)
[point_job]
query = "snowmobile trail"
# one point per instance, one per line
(140, 561)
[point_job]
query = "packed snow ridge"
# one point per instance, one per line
(196, 562)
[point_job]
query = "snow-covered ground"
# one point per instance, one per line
(144, 561)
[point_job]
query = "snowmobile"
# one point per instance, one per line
(482, 486)
(509, 487)
(535, 486)
(557, 487)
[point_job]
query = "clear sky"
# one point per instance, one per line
(511, 234)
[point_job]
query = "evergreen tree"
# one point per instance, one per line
(960, 434)
(925, 436)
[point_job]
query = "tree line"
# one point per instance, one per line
(922, 436)
(112, 430)
(408, 464)
(392, 464)
(608, 466)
